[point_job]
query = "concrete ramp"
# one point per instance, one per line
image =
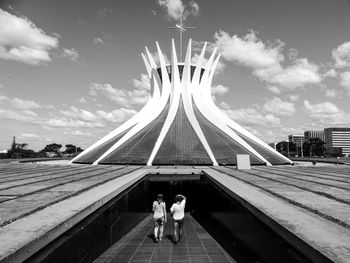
(138, 245)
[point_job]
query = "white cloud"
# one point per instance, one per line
(76, 132)
(143, 83)
(64, 122)
(326, 113)
(99, 41)
(293, 97)
(266, 60)
(82, 100)
(321, 108)
(21, 40)
(224, 105)
(117, 95)
(341, 55)
(332, 93)
(17, 115)
(248, 50)
(274, 89)
(219, 90)
(219, 67)
(79, 114)
(116, 116)
(176, 8)
(72, 54)
(19, 104)
(252, 116)
(155, 56)
(123, 97)
(345, 80)
(299, 74)
(279, 107)
(104, 12)
(330, 73)
(29, 135)
(29, 113)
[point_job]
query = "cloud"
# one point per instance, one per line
(26, 116)
(72, 54)
(219, 67)
(125, 98)
(253, 117)
(344, 80)
(266, 60)
(279, 107)
(293, 97)
(82, 100)
(274, 89)
(219, 90)
(76, 132)
(224, 105)
(143, 83)
(19, 104)
(98, 41)
(341, 55)
(330, 73)
(155, 56)
(332, 93)
(104, 12)
(65, 122)
(28, 135)
(248, 50)
(117, 95)
(79, 114)
(116, 116)
(325, 114)
(176, 8)
(321, 108)
(22, 41)
(299, 74)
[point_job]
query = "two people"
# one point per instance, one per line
(177, 211)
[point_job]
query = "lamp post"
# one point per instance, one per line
(301, 149)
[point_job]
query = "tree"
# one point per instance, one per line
(20, 150)
(53, 147)
(286, 148)
(70, 148)
(314, 147)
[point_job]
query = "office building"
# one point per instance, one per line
(313, 134)
(298, 140)
(337, 140)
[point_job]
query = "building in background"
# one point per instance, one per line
(313, 134)
(337, 140)
(298, 140)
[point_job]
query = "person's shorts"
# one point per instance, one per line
(180, 222)
(158, 221)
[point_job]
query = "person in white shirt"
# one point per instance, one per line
(177, 211)
(159, 217)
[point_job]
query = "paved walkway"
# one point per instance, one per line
(138, 246)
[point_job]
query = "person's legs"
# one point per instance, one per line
(176, 231)
(181, 223)
(156, 228)
(161, 229)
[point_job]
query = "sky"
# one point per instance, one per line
(71, 71)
